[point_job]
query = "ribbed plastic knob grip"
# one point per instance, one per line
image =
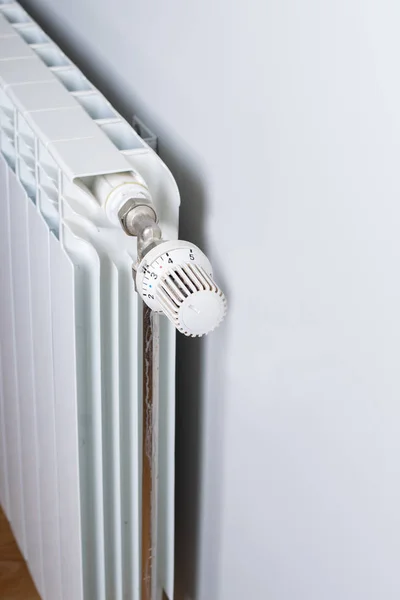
(191, 300)
(176, 278)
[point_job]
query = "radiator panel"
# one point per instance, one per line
(4, 388)
(21, 293)
(11, 409)
(39, 239)
(66, 421)
(88, 340)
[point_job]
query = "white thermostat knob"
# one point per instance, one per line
(176, 278)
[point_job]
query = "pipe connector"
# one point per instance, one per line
(117, 193)
(140, 221)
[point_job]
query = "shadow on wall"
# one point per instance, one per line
(189, 351)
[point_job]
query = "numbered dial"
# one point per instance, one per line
(176, 278)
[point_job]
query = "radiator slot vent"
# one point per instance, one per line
(15, 14)
(72, 79)
(96, 106)
(122, 135)
(32, 34)
(51, 56)
(8, 151)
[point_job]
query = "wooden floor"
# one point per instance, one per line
(15, 580)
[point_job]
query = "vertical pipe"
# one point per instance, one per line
(149, 453)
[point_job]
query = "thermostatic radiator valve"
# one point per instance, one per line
(172, 277)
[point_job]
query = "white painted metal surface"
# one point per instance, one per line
(71, 348)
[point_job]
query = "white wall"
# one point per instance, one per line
(281, 122)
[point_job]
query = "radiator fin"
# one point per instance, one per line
(25, 375)
(41, 302)
(11, 408)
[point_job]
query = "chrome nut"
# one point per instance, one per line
(126, 210)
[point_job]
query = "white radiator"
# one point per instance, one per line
(73, 360)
